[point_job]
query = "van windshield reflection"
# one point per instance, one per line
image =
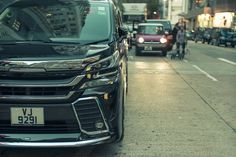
(48, 21)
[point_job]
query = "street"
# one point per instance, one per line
(174, 108)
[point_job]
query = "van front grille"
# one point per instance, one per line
(34, 91)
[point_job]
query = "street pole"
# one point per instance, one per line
(164, 9)
(169, 9)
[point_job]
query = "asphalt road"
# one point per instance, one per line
(174, 108)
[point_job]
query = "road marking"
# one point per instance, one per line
(227, 61)
(186, 61)
(208, 75)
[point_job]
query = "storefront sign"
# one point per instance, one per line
(224, 19)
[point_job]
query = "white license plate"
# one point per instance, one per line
(148, 48)
(27, 116)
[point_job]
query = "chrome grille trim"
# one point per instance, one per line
(22, 97)
(50, 65)
(55, 144)
(49, 84)
(77, 117)
(74, 82)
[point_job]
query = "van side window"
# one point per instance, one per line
(117, 22)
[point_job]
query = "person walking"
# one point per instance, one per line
(174, 32)
(181, 40)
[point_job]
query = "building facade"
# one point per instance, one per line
(176, 10)
(211, 13)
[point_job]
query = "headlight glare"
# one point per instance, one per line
(141, 40)
(163, 40)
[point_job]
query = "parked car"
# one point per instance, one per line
(190, 35)
(63, 79)
(151, 38)
(226, 37)
(198, 34)
(214, 36)
(168, 28)
(206, 36)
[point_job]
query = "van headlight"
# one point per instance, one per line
(99, 82)
(106, 67)
(103, 72)
(105, 63)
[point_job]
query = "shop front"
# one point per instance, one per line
(213, 13)
(204, 20)
(224, 19)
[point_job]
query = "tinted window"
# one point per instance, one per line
(166, 24)
(152, 30)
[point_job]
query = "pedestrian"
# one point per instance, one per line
(181, 40)
(174, 32)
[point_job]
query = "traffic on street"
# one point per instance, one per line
(117, 78)
(179, 108)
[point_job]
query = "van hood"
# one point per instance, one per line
(46, 58)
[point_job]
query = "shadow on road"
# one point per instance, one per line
(151, 55)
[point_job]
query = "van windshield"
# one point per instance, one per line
(55, 21)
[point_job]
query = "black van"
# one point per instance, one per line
(63, 73)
